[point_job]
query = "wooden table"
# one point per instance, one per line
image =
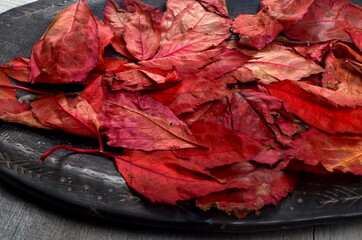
(24, 217)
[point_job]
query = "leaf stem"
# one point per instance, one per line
(24, 88)
(78, 150)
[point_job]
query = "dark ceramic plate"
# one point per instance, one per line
(90, 184)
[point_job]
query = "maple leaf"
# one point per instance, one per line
(327, 20)
(133, 121)
(68, 50)
(335, 153)
(322, 108)
(276, 63)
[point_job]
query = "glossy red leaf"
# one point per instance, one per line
(327, 20)
(263, 187)
(276, 63)
(17, 68)
(322, 108)
(68, 50)
(274, 16)
(133, 121)
(73, 115)
(334, 152)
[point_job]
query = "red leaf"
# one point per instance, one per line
(322, 108)
(105, 36)
(136, 28)
(264, 187)
(317, 51)
(335, 152)
(274, 16)
(14, 111)
(188, 42)
(327, 20)
(171, 179)
(68, 50)
(117, 18)
(275, 63)
(217, 6)
(17, 68)
(342, 77)
(225, 146)
(356, 36)
(74, 116)
(133, 121)
(186, 63)
(192, 16)
(142, 32)
(6, 93)
(133, 77)
(255, 114)
(206, 85)
(94, 94)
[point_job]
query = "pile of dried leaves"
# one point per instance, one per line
(200, 114)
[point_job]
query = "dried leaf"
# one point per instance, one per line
(133, 121)
(273, 17)
(335, 152)
(17, 68)
(74, 116)
(263, 187)
(276, 63)
(68, 50)
(327, 20)
(327, 110)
